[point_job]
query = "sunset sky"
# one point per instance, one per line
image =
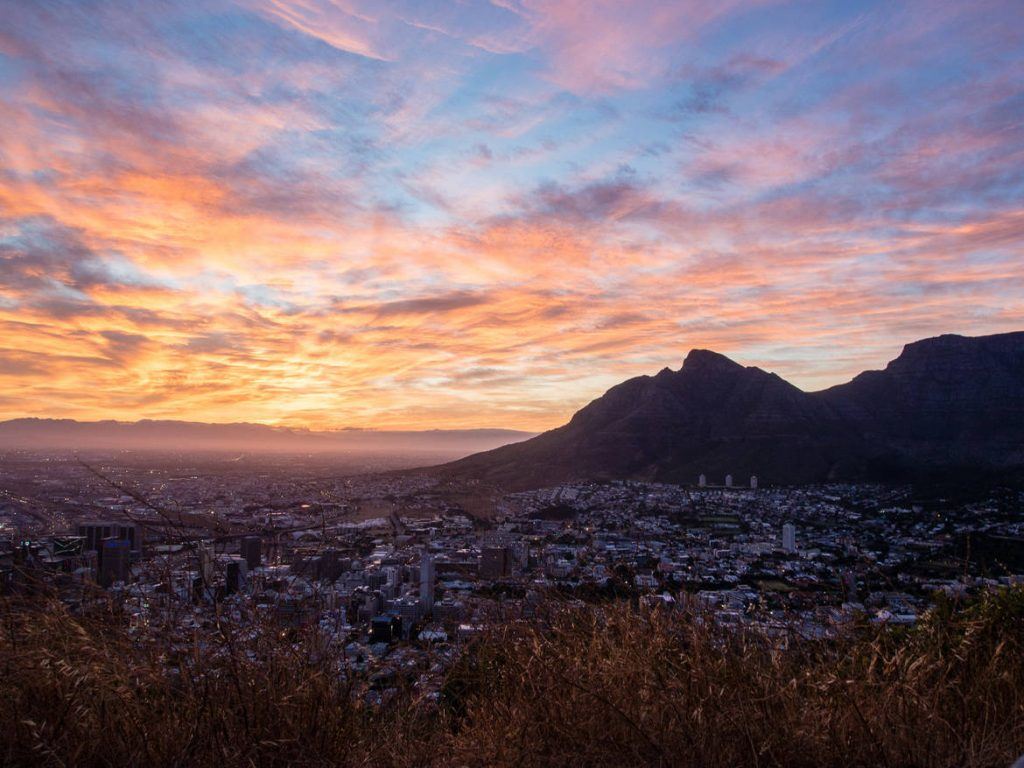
(333, 213)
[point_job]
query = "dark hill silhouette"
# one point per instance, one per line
(948, 403)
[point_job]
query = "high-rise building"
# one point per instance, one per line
(702, 480)
(495, 563)
(426, 581)
(789, 537)
(252, 551)
(520, 553)
(233, 577)
(849, 582)
(198, 590)
(408, 610)
(205, 553)
(96, 532)
(114, 561)
(385, 629)
(328, 566)
(753, 481)
(728, 481)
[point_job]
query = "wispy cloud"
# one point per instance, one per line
(335, 23)
(483, 214)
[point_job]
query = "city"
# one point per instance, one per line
(398, 576)
(511, 384)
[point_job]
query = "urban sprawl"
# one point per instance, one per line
(399, 571)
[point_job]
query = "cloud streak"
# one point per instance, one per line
(415, 215)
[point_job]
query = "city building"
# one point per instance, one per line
(114, 561)
(789, 537)
(495, 563)
(95, 533)
(426, 581)
(205, 553)
(232, 577)
(252, 551)
(385, 629)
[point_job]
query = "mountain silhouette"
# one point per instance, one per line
(946, 404)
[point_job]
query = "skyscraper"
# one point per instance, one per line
(426, 581)
(495, 563)
(233, 577)
(205, 552)
(114, 560)
(789, 537)
(96, 532)
(328, 567)
(252, 551)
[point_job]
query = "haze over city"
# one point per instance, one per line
(483, 214)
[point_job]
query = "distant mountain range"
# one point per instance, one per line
(949, 405)
(67, 434)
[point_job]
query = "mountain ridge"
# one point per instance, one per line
(948, 402)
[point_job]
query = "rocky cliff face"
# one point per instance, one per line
(945, 388)
(948, 401)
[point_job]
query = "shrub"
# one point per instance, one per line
(611, 685)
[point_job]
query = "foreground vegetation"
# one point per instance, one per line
(590, 687)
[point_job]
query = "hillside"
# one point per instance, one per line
(948, 403)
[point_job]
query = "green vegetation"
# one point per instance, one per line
(607, 686)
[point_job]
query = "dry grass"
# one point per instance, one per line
(74, 692)
(618, 687)
(588, 687)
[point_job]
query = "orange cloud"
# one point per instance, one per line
(481, 218)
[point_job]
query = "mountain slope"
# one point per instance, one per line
(949, 401)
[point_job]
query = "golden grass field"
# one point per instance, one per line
(608, 685)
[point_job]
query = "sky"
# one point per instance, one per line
(473, 213)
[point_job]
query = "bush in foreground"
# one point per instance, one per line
(590, 687)
(620, 688)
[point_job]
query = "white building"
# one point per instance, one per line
(789, 537)
(753, 481)
(702, 481)
(728, 481)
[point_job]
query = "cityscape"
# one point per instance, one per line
(512, 384)
(399, 575)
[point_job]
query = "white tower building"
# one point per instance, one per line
(753, 481)
(728, 481)
(702, 481)
(789, 537)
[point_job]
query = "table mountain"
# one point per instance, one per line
(946, 403)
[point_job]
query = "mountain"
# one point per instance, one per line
(949, 403)
(67, 434)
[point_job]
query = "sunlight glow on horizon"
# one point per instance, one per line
(420, 215)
